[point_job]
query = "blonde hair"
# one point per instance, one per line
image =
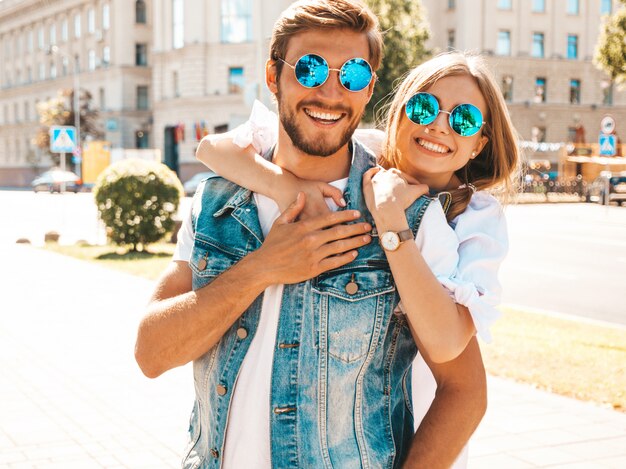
(495, 167)
(305, 15)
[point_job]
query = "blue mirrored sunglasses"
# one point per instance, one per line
(312, 71)
(465, 119)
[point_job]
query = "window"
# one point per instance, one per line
(53, 35)
(235, 80)
(507, 88)
(91, 21)
(572, 46)
(175, 85)
(18, 78)
(29, 41)
(141, 55)
(16, 112)
(18, 45)
(102, 96)
(236, 21)
(142, 98)
(77, 25)
(91, 60)
(451, 39)
(451, 4)
(141, 139)
(540, 90)
(26, 111)
(40, 41)
(29, 74)
(504, 43)
(42, 71)
(537, 50)
(64, 65)
(574, 91)
(53, 69)
(106, 55)
(64, 34)
(178, 24)
(504, 4)
(605, 7)
(539, 6)
(106, 17)
(573, 7)
(140, 12)
(607, 92)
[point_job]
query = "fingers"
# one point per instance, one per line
(292, 212)
(370, 173)
(335, 262)
(343, 246)
(327, 220)
(333, 193)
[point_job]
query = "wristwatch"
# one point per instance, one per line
(391, 240)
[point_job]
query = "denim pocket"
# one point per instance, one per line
(210, 258)
(348, 302)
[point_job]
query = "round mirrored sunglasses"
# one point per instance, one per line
(465, 119)
(312, 70)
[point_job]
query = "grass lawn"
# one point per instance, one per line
(148, 264)
(576, 359)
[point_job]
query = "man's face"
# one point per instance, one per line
(320, 121)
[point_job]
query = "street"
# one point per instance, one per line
(564, 258)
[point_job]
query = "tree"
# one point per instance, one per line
(137, 200)
(610, 54)
(405, 32)
(60, 111)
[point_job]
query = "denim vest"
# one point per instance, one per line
(340, 390)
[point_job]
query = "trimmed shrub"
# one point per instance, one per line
(136, 200)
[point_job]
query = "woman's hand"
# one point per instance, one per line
(389, 192)
(289, 186)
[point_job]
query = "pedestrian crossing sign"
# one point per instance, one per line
(608, 144)
(62, 138)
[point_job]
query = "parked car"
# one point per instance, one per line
(192, 184)
(51, 180)
(607, 184)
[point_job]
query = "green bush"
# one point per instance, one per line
(136, 200)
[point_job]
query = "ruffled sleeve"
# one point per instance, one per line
(260, 130)
(483, 245)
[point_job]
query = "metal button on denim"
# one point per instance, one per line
(242, 333)
(221, 389)
(215, 453)
(202, 264)
(352, 287)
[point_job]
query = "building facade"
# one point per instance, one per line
(541, 53)
(107, 43)
(208, 67)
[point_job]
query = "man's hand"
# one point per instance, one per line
(295, 251)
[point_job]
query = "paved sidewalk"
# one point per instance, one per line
(71, 395)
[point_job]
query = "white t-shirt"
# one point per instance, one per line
(247, 442)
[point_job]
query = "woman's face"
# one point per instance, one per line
(432, 153)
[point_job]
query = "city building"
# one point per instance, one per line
(43, 43)
(208, 67)
(541, 53)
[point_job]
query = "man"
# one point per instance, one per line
(299, 358)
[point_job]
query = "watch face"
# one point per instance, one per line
(390, 240)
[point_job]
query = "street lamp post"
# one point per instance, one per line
(54, 50)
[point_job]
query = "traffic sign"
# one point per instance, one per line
(607, 125)
(608, 144)
(62, 138)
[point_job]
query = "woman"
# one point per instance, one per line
(447, 131)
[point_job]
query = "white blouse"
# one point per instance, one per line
(481, 231)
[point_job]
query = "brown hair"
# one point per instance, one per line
(496, 166)
(304, 15)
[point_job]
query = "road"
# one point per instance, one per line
(565, 258)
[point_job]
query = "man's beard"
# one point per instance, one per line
(316, 147)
